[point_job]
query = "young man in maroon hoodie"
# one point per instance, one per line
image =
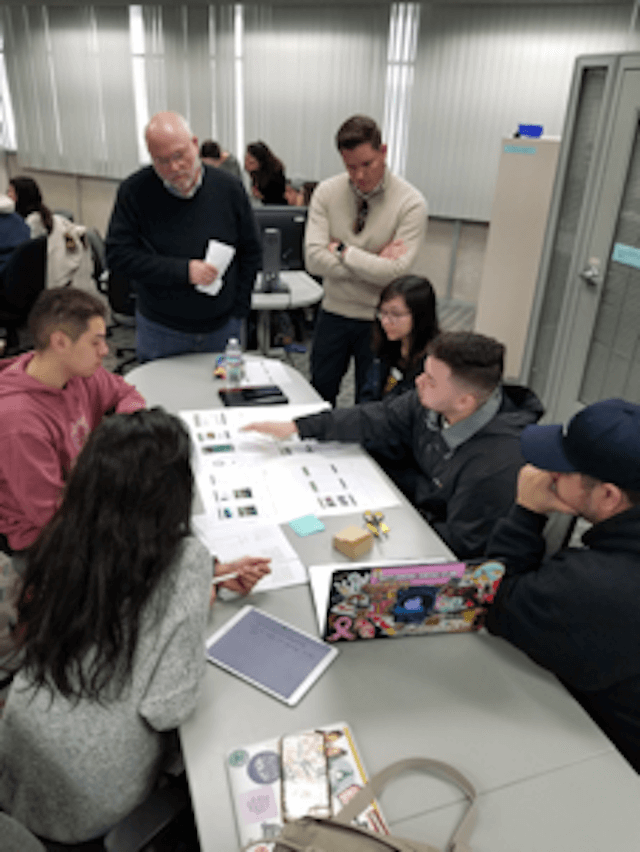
(50, 400)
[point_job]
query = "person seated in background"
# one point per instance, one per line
(266, 172)
(111, 623)
(13, 230)
(575, 612)
(465, 448)
(294, 193)
(406, 320)
(50, 400)
(212, 154)
(69, 258)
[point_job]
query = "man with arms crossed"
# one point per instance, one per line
(463, 451)
(364, 229)
(575, 612)
(164, 216)
(50, 400)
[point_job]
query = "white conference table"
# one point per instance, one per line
(303, 292)
(535, 757)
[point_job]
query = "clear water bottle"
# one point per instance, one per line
(233, 362)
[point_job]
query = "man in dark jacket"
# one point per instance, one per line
(464, 449)
(576, 612)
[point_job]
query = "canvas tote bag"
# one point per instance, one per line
(335, 834)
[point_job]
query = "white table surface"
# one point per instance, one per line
(471, 700)
(589, 806)
(186, 382)
(303, 291)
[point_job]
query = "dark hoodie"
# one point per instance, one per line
(462, 484)
(576, 613)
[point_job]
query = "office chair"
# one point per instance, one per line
(22, 280)
(99, 257)
(122, 301)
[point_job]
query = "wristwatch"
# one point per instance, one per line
(340, 250)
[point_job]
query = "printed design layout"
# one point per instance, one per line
(390, 602)
(327, 484)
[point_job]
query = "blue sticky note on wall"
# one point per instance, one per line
(306, 525)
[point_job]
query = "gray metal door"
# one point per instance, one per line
(587, 343)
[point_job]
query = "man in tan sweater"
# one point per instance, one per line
(364, 229)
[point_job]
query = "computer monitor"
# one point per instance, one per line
(291, 222)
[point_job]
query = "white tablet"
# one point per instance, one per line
(270, 654)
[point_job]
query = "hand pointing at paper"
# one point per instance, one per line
(202, 273)
(276, 429)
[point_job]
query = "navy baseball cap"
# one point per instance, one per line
(602, 441)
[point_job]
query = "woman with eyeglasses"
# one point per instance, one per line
(406, 320)
(111, 623)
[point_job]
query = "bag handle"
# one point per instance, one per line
(460, 838)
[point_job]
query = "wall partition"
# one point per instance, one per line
(69, 72)
(307, 69)
(483, 69)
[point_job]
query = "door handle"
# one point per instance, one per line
(591, 274)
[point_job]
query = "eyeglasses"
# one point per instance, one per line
(176, 157)
(391, 317)
(361, 218)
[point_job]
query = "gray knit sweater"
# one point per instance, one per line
(71, 771)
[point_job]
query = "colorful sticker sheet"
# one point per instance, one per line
(263, 787)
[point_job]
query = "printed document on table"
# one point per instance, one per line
(264, 371)
(219, 255)
(218, 438)
(238, 540)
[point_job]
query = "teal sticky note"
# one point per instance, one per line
(628, 255)
(306, 525)
(519, 149)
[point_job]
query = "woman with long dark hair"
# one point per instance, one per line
(266, 172)
(111, 621)
(29, 204)
(406, 320)
(69, 259)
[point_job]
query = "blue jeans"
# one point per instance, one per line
(335, 340)
(158, 341)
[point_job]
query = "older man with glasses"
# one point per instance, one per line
(164, 218)
(364, 229)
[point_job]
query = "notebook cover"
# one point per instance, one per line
(255, 781)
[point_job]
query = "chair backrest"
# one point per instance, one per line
(24, 276)
(121, 294)
(98, 252)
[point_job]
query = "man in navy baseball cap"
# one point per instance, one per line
(575, 612)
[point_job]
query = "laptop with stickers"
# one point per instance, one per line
(370, 600)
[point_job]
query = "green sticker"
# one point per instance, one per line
(238, 757)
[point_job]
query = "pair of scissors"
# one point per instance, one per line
(375, 523)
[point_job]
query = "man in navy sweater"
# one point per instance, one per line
(163, 219)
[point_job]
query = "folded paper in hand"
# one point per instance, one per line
(219, 255)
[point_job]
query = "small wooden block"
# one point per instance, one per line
(353, 541)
